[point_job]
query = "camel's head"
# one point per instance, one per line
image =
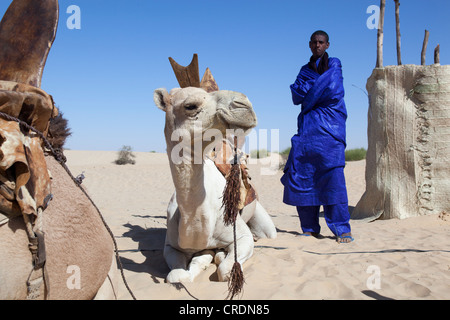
(204, 112)
(189, 108)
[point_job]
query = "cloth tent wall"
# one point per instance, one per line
(407, 171)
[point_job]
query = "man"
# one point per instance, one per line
(314, 173)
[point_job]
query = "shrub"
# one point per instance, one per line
(258, 154)
(125, 156)
(350, 155)
(355, 154)
(285, 152)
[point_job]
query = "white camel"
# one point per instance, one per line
(195, 225)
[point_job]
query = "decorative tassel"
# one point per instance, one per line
(236, 281)
(230, 202)
(232, 195)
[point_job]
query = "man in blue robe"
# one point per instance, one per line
(314, 173)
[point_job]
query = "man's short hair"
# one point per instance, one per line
(320, 33)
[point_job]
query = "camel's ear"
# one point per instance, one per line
(161, 98)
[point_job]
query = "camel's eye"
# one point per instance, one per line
(191, 107)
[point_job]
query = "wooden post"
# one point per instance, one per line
(380, 35)
(397, 23)
(424, 47)
(437, 59)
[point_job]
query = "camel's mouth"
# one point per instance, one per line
(237, 112)
(239, 117)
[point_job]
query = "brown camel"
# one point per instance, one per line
(53, 242)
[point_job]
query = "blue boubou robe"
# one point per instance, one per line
(314, 172)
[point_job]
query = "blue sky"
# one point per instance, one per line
(102, 76)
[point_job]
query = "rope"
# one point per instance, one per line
(61, 159)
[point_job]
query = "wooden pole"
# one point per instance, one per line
(380, 35)
(424, 47)
(437, 59)
(397, 23)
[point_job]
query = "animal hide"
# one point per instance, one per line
(24, 178)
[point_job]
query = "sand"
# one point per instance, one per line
(389, 259)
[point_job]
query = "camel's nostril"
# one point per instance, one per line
(241, 104)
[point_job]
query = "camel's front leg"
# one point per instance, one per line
(176, 260)
(178, 263)
(200, 262)
(244, 244)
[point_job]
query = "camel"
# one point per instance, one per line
(196, 233)
(73, 255)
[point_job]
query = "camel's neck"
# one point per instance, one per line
(188, 179)
(197, 183)
(196, 224)
(186, 165)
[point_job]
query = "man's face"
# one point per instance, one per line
(318, 45)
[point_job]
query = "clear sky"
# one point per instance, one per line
(102, 76)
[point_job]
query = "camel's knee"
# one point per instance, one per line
(261, 224)
(201, 260)
(187, 270)
(175, 259)
(226, 260)
(248, 211)
(224, 270)
(219, 257)
(179, 275)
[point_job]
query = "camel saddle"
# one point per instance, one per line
(222, 156)
(25, 183)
